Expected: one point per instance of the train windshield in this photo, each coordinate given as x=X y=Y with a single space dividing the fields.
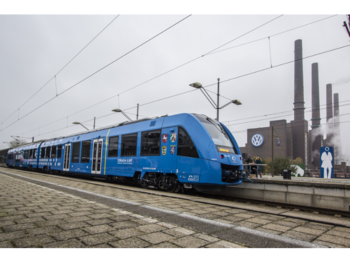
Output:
x=218 y=134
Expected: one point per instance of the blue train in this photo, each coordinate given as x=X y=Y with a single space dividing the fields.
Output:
x=168 y=153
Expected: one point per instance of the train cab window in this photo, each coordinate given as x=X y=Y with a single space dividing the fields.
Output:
x=30 y=154
x=85 y=151
x=59 y=151
x=42 y=153
x=185 y=145
x=113 y=146
x=47 y=155
x=129 y=144
x=53 y=151
x=26 y=154
x=75 y=152
x=35 y=153
x=150 y=143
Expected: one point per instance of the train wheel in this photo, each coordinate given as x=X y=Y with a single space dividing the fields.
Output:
x=144 y=181
x=169 y=183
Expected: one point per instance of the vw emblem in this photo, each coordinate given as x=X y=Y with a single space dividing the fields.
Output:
x=257 y=140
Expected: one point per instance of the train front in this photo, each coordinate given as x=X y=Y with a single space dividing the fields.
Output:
x=224 y=159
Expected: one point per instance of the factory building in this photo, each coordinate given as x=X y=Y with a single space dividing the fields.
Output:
x=297 y=138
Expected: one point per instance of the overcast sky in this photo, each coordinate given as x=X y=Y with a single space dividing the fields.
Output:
x=34 y=48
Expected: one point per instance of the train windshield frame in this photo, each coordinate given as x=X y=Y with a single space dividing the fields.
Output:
x=218 y=134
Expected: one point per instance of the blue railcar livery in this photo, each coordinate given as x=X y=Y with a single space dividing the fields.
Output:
x=168 y=153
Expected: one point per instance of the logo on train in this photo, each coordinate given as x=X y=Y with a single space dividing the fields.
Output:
x=172 y=149
x=165 y=138
x=164 y=150
x=172 y=137
x=257 y=140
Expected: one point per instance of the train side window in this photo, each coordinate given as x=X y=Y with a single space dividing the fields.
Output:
x=75 y=152
x=185 y=145
x=47 y=155
x=26 y=153
x=85 y=151
x=150 y=143
x=35 y=153
x=129 y=144
x=53 y=151
x=42 y=153
x=113 y=146
x=59 y=151
x=30 y=154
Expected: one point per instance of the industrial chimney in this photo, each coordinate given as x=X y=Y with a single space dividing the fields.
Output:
x=316 y=138
x=299 y=125
x=298 y=81
x=336 y=131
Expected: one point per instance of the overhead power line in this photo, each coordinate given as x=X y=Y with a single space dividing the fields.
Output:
x=264 y=115
x=63 y=67
x=99 y=70
x=244 y=75
x=200 y=57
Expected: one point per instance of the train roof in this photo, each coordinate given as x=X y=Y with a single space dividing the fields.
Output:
x=55 y=140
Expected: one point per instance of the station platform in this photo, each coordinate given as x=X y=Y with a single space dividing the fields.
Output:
x=41 y=210
x=304 y=191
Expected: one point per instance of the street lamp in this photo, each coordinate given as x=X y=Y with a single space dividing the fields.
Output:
x=126 y=116
x=216 y=106
x=76 y=122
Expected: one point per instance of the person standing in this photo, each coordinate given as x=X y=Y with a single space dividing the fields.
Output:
x=248 y=161
x=258 y=161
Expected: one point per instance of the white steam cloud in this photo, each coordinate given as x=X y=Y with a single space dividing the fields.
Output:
x=332 y=128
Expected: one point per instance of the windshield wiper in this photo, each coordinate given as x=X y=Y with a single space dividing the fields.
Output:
x=221 y=128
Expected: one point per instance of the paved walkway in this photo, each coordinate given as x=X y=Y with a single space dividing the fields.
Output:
x=35 y=216
x=31 y=212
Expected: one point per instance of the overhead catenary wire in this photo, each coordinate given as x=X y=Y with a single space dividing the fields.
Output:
x=264 y=115
x=55 y=76
x=244 y=75
x=211 y=52
x=102 y=68
x=215 y=83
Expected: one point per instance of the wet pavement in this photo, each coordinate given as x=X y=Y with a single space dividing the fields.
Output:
x=38 y=210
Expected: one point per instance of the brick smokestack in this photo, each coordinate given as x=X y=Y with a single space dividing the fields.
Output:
x=299 y=124
x=329 y=115
x=316 y=120
x=298 y=82
x=329 y=102
x=336 y=132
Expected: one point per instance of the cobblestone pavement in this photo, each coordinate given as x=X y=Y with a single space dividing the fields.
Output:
x=31 y=215
x=35 y=216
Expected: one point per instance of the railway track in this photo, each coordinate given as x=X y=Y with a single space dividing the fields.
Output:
x=204 y=198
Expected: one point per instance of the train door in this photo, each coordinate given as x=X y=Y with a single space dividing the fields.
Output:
x=21 y=158
x=96 y=156
x=66 y=159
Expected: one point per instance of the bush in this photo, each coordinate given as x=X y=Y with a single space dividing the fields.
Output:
x=280 y=164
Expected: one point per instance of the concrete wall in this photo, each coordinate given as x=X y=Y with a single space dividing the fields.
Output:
x=322 y=195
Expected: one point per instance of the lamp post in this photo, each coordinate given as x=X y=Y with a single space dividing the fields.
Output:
x=122 y=112
x=76 y=122
x=216 y=106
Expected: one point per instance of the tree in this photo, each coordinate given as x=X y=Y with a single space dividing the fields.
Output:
x=15 y=143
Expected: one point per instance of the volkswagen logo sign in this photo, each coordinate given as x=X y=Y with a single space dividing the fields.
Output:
x=257 y=140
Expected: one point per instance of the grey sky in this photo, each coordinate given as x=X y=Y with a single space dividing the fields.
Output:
x=34 y=48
